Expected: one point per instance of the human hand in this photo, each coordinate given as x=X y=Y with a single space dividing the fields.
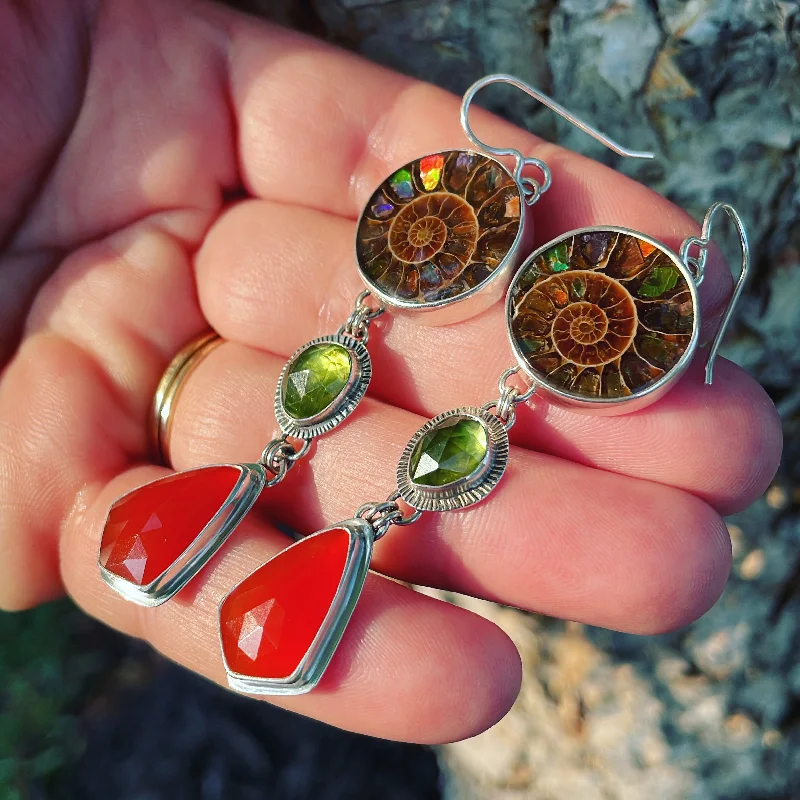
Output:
x=169 y=165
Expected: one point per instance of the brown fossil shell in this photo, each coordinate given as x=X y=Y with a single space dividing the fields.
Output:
x=438 y=227
x=601 y=314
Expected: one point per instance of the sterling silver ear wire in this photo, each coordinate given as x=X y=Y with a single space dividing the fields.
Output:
x=698 y=265
x=442 y=234
x=533 y=189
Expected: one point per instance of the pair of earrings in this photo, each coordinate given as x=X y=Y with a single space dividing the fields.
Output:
x=602 y=319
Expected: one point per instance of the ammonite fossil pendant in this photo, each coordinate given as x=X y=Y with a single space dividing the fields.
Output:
x=603 y=319
x=440 y=231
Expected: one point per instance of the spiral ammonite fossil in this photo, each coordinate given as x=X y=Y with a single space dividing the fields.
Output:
x=601 y=314
x=438 y=227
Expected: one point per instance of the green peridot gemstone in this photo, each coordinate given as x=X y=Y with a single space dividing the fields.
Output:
x=315 y=379
x=453 y=450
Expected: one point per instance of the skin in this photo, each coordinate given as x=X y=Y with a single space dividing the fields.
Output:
x=170 y=165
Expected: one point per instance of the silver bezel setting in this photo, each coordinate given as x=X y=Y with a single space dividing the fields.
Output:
x=607 y=406
x=474 y=300
x=464 y=492
x=244 y=493
x=319 y=654
x=345 y=402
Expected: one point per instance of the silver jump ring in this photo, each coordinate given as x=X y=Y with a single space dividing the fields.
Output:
x=280 y=455
x=411 y=518
x=502 y=385
x=293 y=453
x=372 y=313
x=381 y=516
x=279 y=473
x=506 y=405
x=380 y=520
x=357 y=324
x=273 y=455
x=493 y=407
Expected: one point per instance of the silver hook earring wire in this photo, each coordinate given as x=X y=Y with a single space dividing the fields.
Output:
x=531 y=188
x=698 y=267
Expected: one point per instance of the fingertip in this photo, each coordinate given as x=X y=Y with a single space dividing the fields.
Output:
x=459 y=675
x=679 y=586
x=498 y=665
x=751 y=448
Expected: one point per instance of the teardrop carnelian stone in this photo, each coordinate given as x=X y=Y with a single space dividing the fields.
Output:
x=269 y=621
x=149 y=528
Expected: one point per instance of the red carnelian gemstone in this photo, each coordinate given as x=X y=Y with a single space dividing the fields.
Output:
x=269 y=621
x=148 y=529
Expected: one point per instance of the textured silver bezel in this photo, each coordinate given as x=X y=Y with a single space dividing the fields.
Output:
x=244 y=493
x=475 y=300
x=319 y=654
x=345 y=402
x=607 y=406
x=461 y=493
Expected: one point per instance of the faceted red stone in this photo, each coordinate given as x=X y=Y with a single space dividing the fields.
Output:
x=269 y=621
x=148 y=529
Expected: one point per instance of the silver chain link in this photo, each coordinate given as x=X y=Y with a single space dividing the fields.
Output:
x=532 y=190
x=280 y=455
x=696 y=264
x=505 y=407
x=358 y=322
x=381 y=516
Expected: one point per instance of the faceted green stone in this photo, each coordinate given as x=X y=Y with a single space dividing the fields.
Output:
x=451 y=451
x=315 y=379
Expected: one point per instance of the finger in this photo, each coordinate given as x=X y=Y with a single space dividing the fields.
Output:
x=402 y=671
x=554 y=537
x=722 y=442
x=377 y=120
x=74 y=400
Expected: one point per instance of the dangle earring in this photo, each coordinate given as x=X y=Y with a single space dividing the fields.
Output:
x=440 y=236
x=159 y=536
x=577 y=298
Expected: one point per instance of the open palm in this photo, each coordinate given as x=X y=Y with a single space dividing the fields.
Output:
x=169 y=165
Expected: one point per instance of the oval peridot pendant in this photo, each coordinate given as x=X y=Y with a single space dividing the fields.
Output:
x=315 y=379
x=321 y=385
x=454 y=451
x=453 y=460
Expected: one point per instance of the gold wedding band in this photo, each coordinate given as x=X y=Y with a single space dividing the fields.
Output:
x=169 y=389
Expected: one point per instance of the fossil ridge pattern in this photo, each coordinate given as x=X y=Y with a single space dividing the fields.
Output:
x=438 y=227
x=602 y=314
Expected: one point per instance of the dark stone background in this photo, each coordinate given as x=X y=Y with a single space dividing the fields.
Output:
x=710 y=712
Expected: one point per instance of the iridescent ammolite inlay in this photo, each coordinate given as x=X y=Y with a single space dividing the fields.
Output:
x=601 y=314
x=438 y=227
